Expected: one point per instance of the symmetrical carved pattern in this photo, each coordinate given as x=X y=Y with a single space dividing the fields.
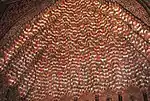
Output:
x=77 y=46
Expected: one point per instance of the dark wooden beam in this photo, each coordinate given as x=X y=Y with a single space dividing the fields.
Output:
x=119 y=97
x=96 y=97
x=145 y=97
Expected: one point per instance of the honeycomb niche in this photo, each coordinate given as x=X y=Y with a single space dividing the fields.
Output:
x=77 y=50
